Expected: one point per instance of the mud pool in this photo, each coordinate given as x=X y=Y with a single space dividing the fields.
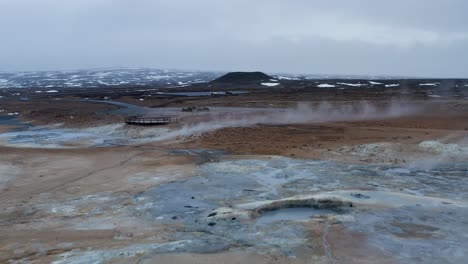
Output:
x=11 y=120
x=273 y=204
x=292 y=214
x=57 y=137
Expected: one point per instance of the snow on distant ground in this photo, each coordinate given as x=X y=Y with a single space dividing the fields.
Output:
x=392 y=85
x=73 y=84
x=273 y=80
x=287 y=78
x=159 y=77
x=270 y=84
x=104 y=83
x=429 y=84
x=374 y=83
x=104 y=77
x=326 y=85
x=351 y=84
x=434 y=95
x=52 y=91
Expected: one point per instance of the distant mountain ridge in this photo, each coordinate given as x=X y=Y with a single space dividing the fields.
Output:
x=162 y=78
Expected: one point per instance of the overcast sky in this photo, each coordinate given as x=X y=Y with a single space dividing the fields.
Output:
x=371 y=37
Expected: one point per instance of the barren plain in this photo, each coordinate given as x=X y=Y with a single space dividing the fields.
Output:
x=268 y=176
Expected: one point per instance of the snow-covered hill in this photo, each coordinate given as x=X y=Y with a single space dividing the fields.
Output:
x=102 y=78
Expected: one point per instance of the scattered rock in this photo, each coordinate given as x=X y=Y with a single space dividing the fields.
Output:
x=359 y=196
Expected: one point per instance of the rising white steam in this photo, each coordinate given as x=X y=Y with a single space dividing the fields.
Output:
x=303 y=113
x=203 y=122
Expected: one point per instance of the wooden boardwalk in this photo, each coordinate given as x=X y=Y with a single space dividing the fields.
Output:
x=147 y=121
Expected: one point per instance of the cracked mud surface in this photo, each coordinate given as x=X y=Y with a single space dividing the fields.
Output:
x=395 y=214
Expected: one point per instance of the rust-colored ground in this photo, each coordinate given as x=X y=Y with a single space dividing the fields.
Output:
x=68 y=173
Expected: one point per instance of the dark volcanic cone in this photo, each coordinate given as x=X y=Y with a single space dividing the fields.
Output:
x=243 y=77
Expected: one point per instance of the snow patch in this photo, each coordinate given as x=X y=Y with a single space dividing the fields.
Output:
x=287 y=78
x=73 y=84
x=429 y=84
x=326 y=85
x=159 y=77
x=351 y=84
x=270 y=84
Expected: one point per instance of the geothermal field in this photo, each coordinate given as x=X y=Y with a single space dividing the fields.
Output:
x=251 y=168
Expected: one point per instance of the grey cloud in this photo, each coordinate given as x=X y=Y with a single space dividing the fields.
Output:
x=403 y=37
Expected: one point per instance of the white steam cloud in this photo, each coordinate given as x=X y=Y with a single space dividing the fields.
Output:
x=119 y=134
x=303 y=113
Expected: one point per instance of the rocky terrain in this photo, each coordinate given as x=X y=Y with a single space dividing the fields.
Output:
x=354 y=171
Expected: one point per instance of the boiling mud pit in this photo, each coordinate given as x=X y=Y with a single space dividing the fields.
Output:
x=309 y=211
